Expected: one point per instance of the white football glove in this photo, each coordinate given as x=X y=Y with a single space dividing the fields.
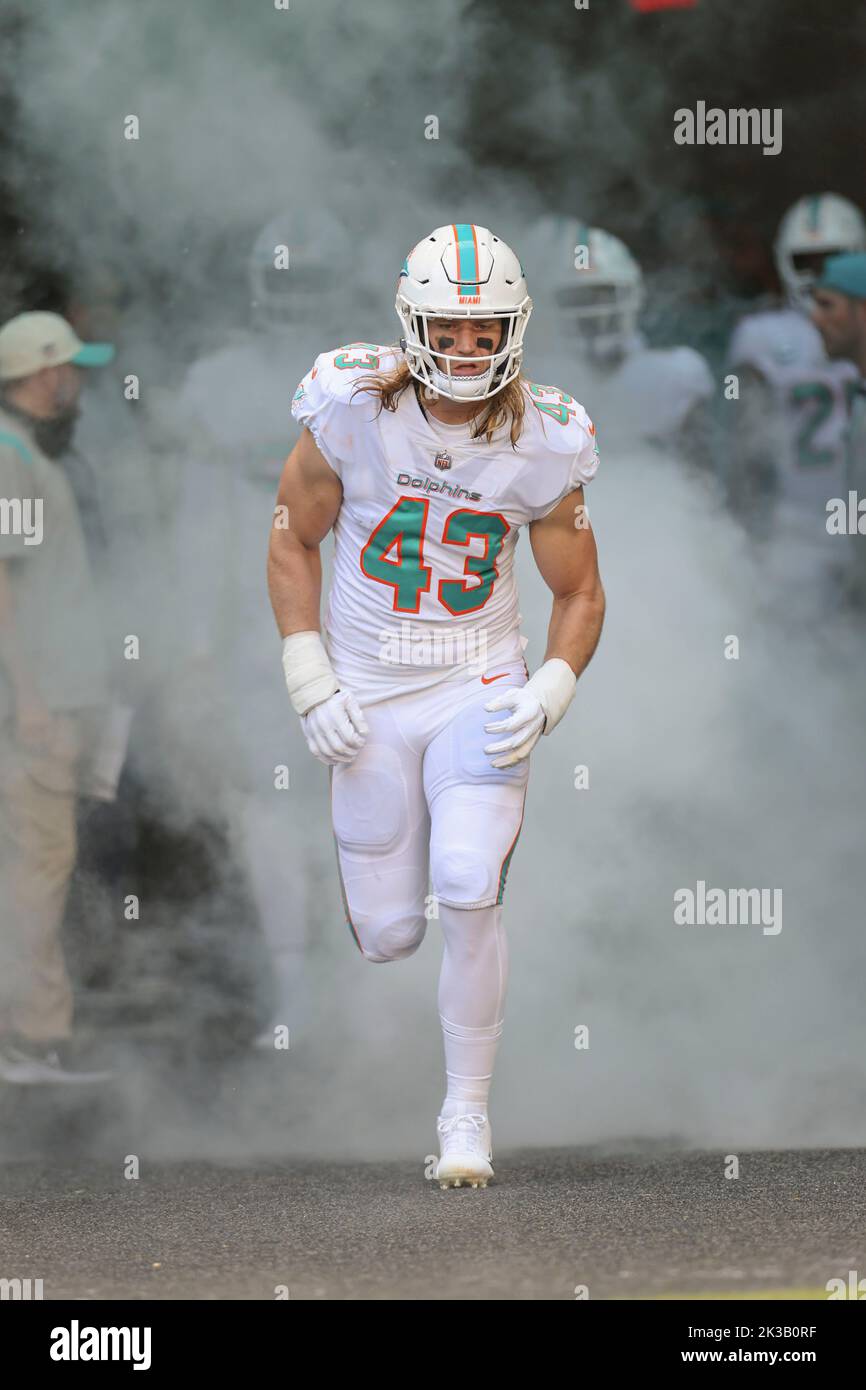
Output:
x=331 y=718
x=335 y=730
x=524 y=726
x=538 y=707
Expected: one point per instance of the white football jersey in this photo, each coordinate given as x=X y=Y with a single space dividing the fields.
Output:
x=235 y=408
x=235 y=416
x=811 y=395
x=648 y=395
x=659 y=387
x=239 y=400
x=423 y=585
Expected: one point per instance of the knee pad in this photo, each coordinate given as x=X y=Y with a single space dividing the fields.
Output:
x=463 y=878
x=391 y=938
x=385 y=907
x=389 y=933
x=475 y=830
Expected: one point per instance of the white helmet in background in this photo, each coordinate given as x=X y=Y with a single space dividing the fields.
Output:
x=816 y=227
x=462 y=271
x=295 y=267
x=596 y=284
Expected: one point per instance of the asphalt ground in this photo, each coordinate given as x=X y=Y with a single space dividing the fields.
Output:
x=555 y=1224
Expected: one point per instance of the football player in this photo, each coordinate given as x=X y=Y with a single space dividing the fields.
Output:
x=787 y=449
x=426 y=459
x=660 y=395
x=234 y=409
x=839 y=314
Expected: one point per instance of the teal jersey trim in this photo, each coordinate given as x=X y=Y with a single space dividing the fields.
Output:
x=6 y=438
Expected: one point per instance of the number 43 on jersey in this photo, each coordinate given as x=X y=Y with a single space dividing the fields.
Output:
x=394 y=555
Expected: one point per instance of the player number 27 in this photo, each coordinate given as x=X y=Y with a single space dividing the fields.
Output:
x=394 y=555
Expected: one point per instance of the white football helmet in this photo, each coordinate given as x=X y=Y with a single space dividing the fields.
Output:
x=316 y=248
x=816 y=227
x=462 y=271
x=597 y=285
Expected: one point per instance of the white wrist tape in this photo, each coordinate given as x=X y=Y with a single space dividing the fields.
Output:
x=554 y=684
x=309 y=675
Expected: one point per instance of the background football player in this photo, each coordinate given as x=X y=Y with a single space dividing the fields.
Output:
x=426 y=460
x=839 y=314
x=595 y=295
x=235 y=405
x=786 y=450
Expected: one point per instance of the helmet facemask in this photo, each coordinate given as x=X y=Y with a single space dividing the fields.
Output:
x=817 y=226
x=434 y=369
x=294 y=270
x=800 y=270
x=283 y=298
x=603 y=316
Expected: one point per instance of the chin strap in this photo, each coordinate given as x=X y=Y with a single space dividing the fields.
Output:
x=416 y=383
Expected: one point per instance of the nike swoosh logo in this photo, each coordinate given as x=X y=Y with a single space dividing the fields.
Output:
x=485 y=680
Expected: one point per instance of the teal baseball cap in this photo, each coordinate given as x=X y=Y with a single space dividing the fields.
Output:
x=845 y=273
x=32 y=341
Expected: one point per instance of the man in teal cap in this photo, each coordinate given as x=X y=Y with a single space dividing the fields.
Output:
x=839 y=309
x=39 y=381
x=839 y=313
x=53 y=688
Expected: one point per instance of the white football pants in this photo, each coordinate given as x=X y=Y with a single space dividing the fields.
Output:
x=421 y=808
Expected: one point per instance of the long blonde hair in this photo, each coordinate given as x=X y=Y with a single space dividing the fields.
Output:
x=507 y=404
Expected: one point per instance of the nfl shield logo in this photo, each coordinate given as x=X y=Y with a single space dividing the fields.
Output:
x=442 y=460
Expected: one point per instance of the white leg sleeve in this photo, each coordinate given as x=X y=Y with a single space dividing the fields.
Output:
x=472 y=989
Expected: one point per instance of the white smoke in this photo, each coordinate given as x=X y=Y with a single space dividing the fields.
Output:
x=742 y=773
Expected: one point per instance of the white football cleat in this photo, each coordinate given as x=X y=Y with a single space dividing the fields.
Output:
x=466 y=1146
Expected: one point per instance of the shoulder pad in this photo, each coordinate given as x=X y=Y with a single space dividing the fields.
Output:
x=689 y=368
x=337 y=371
